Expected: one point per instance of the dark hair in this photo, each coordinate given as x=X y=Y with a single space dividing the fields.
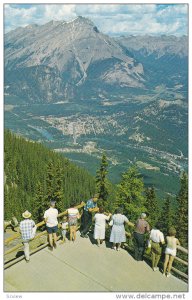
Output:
x=119 y=210
x=73 y=203
x=101 y=209
x=158 y=225
x=172 y=231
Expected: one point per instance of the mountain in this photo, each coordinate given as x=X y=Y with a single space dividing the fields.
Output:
x=50 y=62
x=164 y=58
x=83 y=93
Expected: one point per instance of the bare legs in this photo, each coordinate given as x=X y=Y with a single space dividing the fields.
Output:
x=116 y=246
x=72 y=233
x=52 y=239
x=155 y=260
x=168 y=264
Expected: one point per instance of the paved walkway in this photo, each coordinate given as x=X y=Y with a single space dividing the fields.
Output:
x=84 y=267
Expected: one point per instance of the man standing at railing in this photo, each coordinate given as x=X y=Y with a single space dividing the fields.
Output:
x=26 y=228
x=89 y=208
x=141 y=227
x=51 y=221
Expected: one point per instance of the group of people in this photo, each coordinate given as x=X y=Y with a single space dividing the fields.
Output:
x=117 y=222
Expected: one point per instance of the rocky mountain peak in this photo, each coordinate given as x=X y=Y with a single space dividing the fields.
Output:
x=63 y=56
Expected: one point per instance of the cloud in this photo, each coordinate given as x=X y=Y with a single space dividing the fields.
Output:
x=115 y=19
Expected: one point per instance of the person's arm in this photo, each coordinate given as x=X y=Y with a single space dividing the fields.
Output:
x=131 y=224
x=93 y=209
x=45 y=217
x=177 y=242
x=128 y=222
x=162 y=240
x=107 y=217
x=147 y=228
x=78 y=214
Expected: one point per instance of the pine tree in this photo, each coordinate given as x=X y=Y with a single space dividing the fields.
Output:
x=182 y=212
x=40 y=203
x=130 y=193
x=27 y=164
x=50 y=181
x=101 y=180
x=151 y=205
x=166 y=216
x=55 y=184
x=58 y=195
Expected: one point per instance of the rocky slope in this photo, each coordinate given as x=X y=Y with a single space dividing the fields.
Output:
x=51 y=61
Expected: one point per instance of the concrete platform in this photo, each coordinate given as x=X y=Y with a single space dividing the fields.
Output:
x=84 y=267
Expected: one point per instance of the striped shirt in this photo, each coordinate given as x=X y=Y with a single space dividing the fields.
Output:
x=26 y=227
x=73 y=213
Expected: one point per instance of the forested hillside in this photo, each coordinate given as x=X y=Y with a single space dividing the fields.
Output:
x=34 y=174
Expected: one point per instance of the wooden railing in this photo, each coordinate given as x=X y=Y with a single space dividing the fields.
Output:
x=7 y=241
x=181 y=261
x=39 y=235
x=177 y=258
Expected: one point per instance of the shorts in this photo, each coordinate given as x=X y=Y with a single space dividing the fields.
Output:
x=156 y=248
x=52 y=229
x=170 y=251
x=72 y=222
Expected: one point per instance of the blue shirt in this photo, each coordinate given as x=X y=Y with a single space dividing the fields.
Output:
x=90 y=204
x=26 y=227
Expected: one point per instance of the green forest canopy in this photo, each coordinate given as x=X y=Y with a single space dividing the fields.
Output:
x=33 y=175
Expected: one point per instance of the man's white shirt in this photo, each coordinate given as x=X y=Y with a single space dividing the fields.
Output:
x=51 y=215
x=156 y=236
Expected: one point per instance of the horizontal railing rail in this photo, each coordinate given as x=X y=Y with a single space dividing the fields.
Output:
x=37 y=236
x=177 y=258
x=12 y=261
x=181 y=261
x=15 y=236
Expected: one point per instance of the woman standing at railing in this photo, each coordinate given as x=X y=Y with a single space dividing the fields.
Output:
x=73 y=216
x=100 y=219
x=170 y=251
x=118 y=230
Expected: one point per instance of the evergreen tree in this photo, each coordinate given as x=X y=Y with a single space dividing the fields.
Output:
x=101 y=180
x=35 y=174
x=40 y=204
x=50 y=181
x=182 y=212
x=130 y=193
x=166 y=216
x=58 y=195
x=55 y=184
x=151 y=206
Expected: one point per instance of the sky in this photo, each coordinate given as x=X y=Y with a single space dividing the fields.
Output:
x=111 y=19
